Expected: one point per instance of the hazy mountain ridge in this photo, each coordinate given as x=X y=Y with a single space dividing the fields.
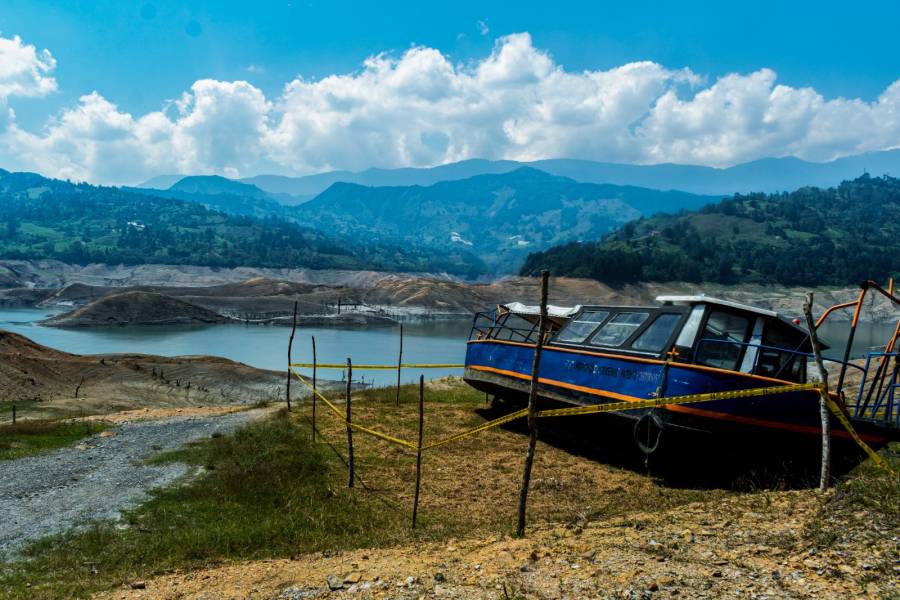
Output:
x=764 y=175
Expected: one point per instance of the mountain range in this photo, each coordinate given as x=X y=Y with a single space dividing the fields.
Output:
x=500 y=218
x=447 y=220
x=812 y=236
x=42 y=218
x=765 y=175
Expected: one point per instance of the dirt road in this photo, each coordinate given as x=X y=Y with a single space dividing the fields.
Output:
x=49 y=493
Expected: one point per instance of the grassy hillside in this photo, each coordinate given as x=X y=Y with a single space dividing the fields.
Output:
x=499 y=218
x=43 y=218
x=808 y=237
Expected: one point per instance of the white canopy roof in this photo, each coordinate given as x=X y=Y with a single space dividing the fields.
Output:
x=557 y=312
x=719 y=301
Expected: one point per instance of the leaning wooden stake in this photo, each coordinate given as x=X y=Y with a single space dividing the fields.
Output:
x=350 y=476
x=314 y=390
x=14 y=414
x=532 y=407
x=825 y=473
x=419 y=450
x=399 y=364
x=290 y=346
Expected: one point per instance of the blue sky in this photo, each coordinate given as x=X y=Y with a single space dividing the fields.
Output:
x=139 y=55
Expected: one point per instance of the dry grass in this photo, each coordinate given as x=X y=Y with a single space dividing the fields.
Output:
x=473 y=484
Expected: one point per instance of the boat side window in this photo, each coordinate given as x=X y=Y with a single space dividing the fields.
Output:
x=720 y=344
x=657 y=333
x=774 y=362
x=578 y=329
x=619 y=328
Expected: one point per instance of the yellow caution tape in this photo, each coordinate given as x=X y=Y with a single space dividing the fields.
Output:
x=375 y=367
x=690 y=399
x=483 y=427
x=834 y=408
x=611 y=407
x=356 y=426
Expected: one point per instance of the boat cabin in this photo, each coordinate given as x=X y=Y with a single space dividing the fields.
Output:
x=693 y=329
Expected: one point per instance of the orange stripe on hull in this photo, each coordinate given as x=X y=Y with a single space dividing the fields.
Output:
x=710 y=414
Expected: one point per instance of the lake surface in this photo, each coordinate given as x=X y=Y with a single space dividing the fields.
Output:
x=266 y=346
x=263 y=346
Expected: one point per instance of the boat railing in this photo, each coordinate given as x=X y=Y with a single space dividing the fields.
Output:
x=876 y=397
x=796 y=353
x=493 y=326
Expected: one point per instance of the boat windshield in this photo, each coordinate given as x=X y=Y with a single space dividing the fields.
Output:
x=577 y=330
x=657 y=333
x=619 y=328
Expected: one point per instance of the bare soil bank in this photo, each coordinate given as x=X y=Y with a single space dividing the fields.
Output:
x=268 y=294
x=46 y=383
x=136 y=308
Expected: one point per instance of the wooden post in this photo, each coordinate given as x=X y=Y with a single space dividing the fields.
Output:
x=419 y=451
x=399 y=363
x=825 y=472
x=532 y=407
x=350 y=476
x=14 y=414
x=290 y=346
x=78 y=387
x=314 y=390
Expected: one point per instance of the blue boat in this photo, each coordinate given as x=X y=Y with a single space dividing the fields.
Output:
x=683 y=345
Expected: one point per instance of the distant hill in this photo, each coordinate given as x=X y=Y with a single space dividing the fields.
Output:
x=259 y=206
x=812 y=236
x=765 y=175
x=499 y=218
x=43 y=218
x=214 y=184
x=160 y=182
x=310 y=185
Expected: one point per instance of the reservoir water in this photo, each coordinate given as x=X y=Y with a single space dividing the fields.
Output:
x=266 y=346
x=263 y=346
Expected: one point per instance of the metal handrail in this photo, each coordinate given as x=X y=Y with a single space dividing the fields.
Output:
x=808 y=355
x=885 y=396
x=497 y=325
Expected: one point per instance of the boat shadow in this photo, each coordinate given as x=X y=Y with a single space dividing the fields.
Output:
x=692 y=465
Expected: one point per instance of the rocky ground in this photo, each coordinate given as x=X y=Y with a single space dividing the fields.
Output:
x=96 y=479
x=751 y=546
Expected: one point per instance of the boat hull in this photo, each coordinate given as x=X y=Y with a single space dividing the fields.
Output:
x=578 y=377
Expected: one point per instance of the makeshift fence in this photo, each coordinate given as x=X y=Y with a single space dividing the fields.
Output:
x=419 y=446
x=532 y=413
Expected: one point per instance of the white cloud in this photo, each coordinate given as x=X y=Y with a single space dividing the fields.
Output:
x=482 y=26
x=23 y=70
x=421 y=109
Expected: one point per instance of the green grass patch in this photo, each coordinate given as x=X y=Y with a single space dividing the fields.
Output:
x=32 y=437
x=266 y=491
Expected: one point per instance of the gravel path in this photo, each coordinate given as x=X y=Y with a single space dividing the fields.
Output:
x=98 y=478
